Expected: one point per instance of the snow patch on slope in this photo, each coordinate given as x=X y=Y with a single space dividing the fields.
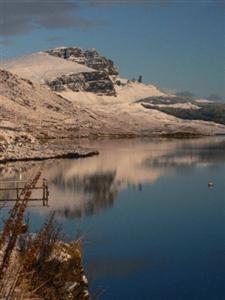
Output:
x=39 y=67
x=203 y=101
x=187 y=105
x=129 y=93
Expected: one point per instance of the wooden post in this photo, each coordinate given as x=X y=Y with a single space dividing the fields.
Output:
x=43 y=185
x=45 y=192
x=17 y=190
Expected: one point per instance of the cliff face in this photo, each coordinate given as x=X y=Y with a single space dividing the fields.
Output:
x=94 y=82
x=90 y=58
x=98 y=81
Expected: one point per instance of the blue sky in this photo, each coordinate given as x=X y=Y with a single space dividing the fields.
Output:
x=177 y=45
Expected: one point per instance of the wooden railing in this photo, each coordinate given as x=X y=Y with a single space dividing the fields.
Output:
x=18 y=186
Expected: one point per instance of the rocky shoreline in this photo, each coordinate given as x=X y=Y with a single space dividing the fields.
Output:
x=44 y=154
x=21 y=146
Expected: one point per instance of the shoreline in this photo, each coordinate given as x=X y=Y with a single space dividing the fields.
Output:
x=45 y=154
x=53 y=149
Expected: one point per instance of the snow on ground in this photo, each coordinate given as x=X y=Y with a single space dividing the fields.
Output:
x=97 y=114
x=134 y=91
x=129 y=93
x=123 y=114
x=203 y=101
x=41 y=66
x=187 y=105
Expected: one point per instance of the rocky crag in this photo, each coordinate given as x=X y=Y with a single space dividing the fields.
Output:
x=90 y=58
x=94 y=82
x=98 y=81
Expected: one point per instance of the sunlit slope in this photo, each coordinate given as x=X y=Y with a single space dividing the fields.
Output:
x=40 y=66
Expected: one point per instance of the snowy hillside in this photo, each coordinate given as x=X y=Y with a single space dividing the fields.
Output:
x=40 y=67
x=75 y=100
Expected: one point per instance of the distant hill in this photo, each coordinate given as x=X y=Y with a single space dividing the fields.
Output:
x=187 y=108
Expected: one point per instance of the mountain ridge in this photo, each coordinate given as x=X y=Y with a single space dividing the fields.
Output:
x=32 y=110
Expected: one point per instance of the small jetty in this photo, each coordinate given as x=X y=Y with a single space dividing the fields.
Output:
x=10 y=191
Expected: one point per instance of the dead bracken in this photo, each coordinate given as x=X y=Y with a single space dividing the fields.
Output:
x=38 y=266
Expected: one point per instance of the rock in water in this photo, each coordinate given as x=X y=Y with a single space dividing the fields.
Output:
x=210 y=184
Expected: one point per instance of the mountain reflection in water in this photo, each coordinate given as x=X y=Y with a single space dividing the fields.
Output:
x=152 y=227
x=97 y=191
x=83 y=187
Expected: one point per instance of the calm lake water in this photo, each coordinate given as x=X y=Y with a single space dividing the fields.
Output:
x=152 y=227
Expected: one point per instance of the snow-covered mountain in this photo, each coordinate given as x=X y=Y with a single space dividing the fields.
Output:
x=62 y=71
x=73 y=92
